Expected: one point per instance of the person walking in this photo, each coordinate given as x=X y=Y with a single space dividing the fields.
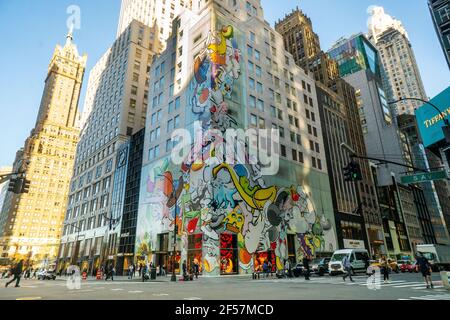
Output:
x=306 y=267
x=17 y=272
x=130 y=272
x=287 y=268
x=143 y=272
x=196 y=269
x=110 y=273
x=385 y=269
x=346 y=264
x=425 y=268
x=266 y=269
x=270 y=267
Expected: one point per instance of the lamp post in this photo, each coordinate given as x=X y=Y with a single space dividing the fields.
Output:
x=446 y=128
x=175 y=232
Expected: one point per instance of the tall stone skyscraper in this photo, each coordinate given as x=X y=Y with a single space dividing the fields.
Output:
x=33 y=225
x=397 y=57
x=158 y=13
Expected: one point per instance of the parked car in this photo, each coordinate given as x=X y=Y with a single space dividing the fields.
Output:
x=298 y=270
x=357 y=259
x=394 y=265
x=404 y=265
x=320 y=266
x=46 y=275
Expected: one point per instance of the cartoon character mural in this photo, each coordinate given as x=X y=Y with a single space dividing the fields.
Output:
x=227 y=204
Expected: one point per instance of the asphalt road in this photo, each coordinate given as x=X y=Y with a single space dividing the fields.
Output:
x=402 y=287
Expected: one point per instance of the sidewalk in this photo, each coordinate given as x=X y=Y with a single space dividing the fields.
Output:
x=160 y=279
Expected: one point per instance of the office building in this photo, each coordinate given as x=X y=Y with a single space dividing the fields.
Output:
x=398 y=59
x=33 y=225
x=440 y=13
x=339 y=108
x=116 y=107
x=226 y=68
x=152 y=13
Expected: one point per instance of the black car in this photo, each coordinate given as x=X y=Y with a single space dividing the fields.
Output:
x=298 y=270
x=320 y=266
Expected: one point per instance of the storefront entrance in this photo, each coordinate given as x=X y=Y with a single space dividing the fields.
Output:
x=195 y=244
x=228 y=254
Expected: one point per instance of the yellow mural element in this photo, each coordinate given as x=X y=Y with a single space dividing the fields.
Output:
x=258 y=200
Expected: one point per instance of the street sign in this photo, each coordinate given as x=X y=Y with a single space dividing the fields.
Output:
x=424 y=177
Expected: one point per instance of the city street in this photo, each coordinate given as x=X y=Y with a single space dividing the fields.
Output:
x=402 y=287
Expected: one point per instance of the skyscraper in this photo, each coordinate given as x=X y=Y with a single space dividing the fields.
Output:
x=226 y=68
x=34 y=224
x=116 y=106
x=359 y=65
x=397 y=56
x=403 y=76
x=152 y=13
x=339 y=108
x=440 y=12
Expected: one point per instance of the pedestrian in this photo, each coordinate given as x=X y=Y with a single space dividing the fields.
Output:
x=424 y=267
x=196 y=269
x=385 y=269
x=140 y=270
x=270 y=267
x=110 y=273
x=346 y=264
x=164 y=270
x=266 y=269
x=306 y=267
x=366 y=263
x=17 y=272
x=287 y=269
x=130 y=272
x=34 y=274
x=143 y=272
x=185 y=275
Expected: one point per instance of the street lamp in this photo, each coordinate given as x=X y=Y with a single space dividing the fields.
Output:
x=445 y=128
x=175 y=232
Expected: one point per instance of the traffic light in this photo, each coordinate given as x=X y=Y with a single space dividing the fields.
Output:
x=347 y=174
x=15 y=186
x=356 y=172
x=25 y=186
x=352 y=172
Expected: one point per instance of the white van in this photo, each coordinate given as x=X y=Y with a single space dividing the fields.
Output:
x=358 y=258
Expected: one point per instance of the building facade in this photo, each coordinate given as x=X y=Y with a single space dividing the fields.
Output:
x=339 y=109
x=398 y=59
x=440 y=13
x=116 y=110
x=228 y=70
x=157 y=14
x=126 y=250
x=33 y=228
x=360 y=66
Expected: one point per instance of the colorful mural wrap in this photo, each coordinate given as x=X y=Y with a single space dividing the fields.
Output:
x=241 y=219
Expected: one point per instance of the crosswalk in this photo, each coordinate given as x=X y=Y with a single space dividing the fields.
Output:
x=362 y=281
x=433 y=297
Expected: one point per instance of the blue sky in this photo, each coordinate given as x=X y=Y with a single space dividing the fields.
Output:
x=30 y=29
